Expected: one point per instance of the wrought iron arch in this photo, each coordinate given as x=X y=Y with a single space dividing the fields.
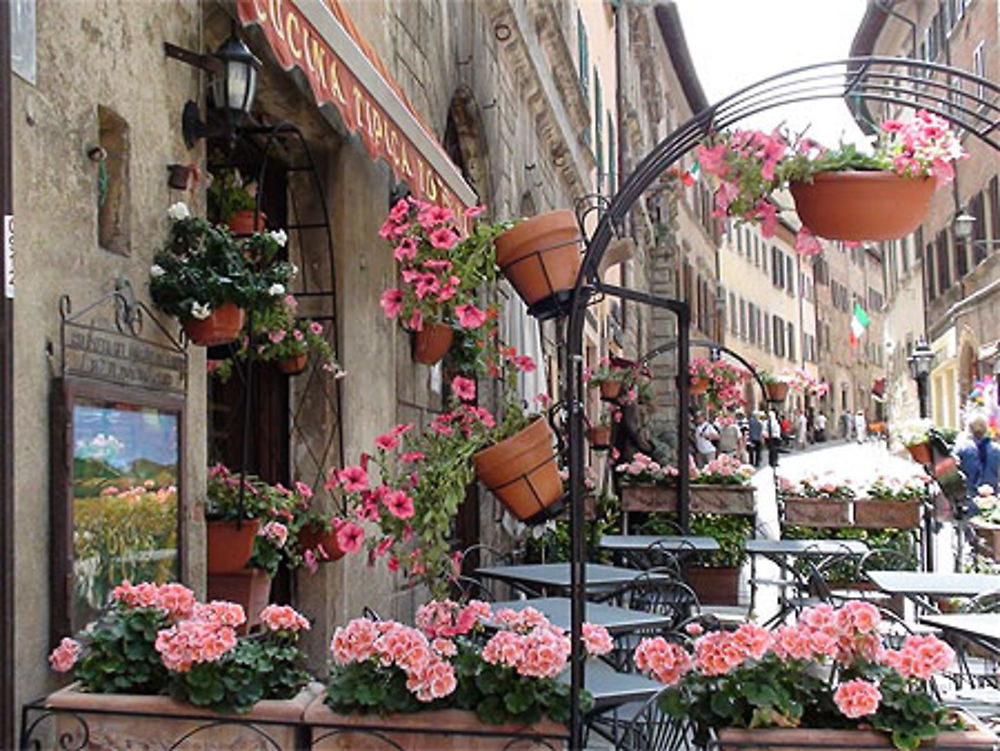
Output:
x=912 y=84
x=710 y=345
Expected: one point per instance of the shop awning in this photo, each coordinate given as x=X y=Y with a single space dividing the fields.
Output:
x=319 y=38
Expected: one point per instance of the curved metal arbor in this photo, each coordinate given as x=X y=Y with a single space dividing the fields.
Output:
x=964 y=100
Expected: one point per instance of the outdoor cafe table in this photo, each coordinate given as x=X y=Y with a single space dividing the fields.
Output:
x=555 y=577
x=923 y=586
x=615 y=619
x=781 y=551
x=672 y=543
x=611 y=688
x=979 y=626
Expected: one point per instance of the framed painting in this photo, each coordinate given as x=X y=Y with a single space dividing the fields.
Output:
x=117 y=512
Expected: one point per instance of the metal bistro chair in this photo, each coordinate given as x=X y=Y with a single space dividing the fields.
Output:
x=977 y=659
x=643 y=726
x=876 y=559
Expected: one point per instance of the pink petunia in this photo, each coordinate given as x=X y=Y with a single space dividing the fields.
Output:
x=406 y=250
x=315 y=328
x=464 y=388
x=391 y=302
x=473 y=211
x=469 y=316
x=400 y=505
x=443 y=238
x=354 y=479
x=387 y=441
x=350 y=537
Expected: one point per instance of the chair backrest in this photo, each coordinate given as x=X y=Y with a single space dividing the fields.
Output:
x=652 y=729
x=883 y=559
x=478 y=556
x=985 y=602
x=650 y=593
x=661 y=557
x=468 y=588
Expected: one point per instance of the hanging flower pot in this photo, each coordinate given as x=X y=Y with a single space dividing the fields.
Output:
x=521 y=471
x=314 y=535
x=541 y=258
x=599 y=436
x=776 y=390
x=611 y=390
x=858 y=206
x=921 y=452
x=221 y=326
x=293 y=366
x=230 y=545
x=698 y=386
x=246 y=222
x=432 y=343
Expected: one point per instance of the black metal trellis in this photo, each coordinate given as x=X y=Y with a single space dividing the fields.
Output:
x=951 y=93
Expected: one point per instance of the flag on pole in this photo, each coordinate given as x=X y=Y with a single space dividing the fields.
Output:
x=690 y=176
x=859 y=322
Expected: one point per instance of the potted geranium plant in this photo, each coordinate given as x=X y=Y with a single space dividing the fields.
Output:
x=234 y=201
x=156 y=660
x=209 y=281
x=721 y=381
x=622 y=381
x=775 y=387
x=890 y=503
x=840 y=194
x=816 y=502
x=915 y=435
x=599 y=435
x=441 y=272
x=721 y=487
x=450 y=676
x=827 y=681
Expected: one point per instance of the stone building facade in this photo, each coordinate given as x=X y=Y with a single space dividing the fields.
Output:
x=951 y=279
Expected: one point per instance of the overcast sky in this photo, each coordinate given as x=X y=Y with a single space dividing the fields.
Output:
x=738 y=42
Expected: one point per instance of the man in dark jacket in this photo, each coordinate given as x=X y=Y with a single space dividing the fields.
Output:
x=980 y=458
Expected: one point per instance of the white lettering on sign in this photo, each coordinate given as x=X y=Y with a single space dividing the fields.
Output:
x=8 y=256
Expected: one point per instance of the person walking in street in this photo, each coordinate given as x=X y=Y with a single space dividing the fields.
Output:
x=820 y=424
x=704 y=435
x=755 y=436
x=979 y=458
x=772 y=438
x=801 y=427
x=730 y=437
x=860 y=427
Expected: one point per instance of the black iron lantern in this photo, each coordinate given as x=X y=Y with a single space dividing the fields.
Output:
x=234 y=83
x=920 y=361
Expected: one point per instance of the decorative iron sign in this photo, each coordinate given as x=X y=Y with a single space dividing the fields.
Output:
x=114 y=351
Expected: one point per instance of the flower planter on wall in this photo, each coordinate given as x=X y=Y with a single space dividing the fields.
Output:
x=250 y=588
x=921 y=452
x=312 y=536
x=813 y=512
x=887 y=514
x=715 y=585
x=432 y=343
x=439 y=730
x=705 y=499
x=120 y=721
x=522 y=471
x=857 y=206
x=230 y=545
x=246 y=222
x=541 y=257
x=221 y=326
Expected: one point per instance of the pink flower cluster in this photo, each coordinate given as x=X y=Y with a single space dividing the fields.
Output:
x=643 y=468
x=920 y=657
x=64 y=657
x=192 y=642
x=276 y=532
x=283 y=618
x=857 y=698
x=725 y=466
x=663 y=660
x=175 y=599
x=447 y=618
x=924 y=145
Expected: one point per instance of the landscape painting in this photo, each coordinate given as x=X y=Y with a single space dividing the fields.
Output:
x=125 y=502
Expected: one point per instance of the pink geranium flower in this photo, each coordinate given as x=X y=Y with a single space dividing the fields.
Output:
x=64 y=657
x=857 y=698
x=406 y=250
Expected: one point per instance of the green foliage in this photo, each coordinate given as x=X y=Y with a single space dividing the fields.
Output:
x=729 y=530
x=368 y=687
x=229 y=193
x=903 y=541
x=555 y=544
x=120 y=657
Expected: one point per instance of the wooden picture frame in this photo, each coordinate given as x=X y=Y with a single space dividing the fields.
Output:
x=131 y=415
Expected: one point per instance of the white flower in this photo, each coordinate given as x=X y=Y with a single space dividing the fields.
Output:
x=179 y=211
x=279 y=237
x=276 y=289
x=156 y=271
x=201 y=312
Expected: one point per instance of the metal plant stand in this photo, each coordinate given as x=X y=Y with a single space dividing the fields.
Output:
x=913 y=84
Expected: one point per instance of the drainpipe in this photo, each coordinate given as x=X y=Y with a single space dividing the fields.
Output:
x=7 y=716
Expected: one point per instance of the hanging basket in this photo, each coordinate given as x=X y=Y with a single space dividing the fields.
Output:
x=432 y=343
x=858 y=206
x=315 y=535
x=230 y=545
x=522 y=472
x=776 y=391
x=222 y=326
x=541 y=258
x=599 y=436
x=293 y=366
x=921 y=452
x=698 y=386
x=246 y=222
x=611 y=390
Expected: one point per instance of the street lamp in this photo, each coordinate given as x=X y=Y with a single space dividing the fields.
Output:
x=920 y=360
x=964 y=224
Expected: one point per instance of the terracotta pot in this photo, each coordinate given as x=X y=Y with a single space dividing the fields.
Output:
x=438 y=730
x=222 y=326
x=133 y=721
x=251 y=588
x=541 y=256
x=888 y=514
x=230 y=546
x=432 y=343
x=611 y=390
x=521 y=471
x=312 y=536
x=698 y=386
x=292 y=366
x=776 y=391
x=921 y=452
x=599 y=436
x=860 y=206
x=715 y=586
x=246 y=222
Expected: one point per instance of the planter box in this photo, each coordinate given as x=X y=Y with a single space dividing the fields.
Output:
x=811 y=512
x=715 y=586
x=888 y=514
x=130 y=721
x=705 y=499
x=989 y=534
x=438 y=730
x=802 y=739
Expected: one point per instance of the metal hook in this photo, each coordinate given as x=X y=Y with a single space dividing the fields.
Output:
x=489 y=106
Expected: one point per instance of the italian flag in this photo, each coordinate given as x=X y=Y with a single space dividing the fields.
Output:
x=859 y=322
